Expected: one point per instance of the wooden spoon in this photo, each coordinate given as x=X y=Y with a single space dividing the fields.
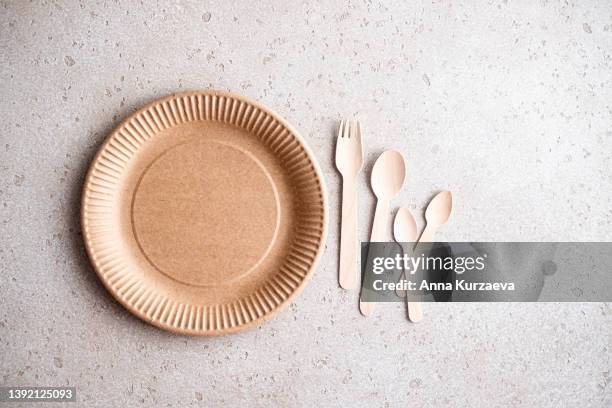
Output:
x=405 y=230
x=388 y=177
x=437 y=213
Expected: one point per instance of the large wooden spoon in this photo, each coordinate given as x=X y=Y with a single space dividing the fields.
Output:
x=388 y=177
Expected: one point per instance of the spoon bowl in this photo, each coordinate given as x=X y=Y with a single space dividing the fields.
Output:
x=388 y=175
x=404 y=226
x=439 y=209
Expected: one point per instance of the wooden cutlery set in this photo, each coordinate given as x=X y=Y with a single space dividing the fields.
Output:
x=387 y=178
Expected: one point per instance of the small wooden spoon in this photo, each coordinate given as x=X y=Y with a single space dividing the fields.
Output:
x=437 y=213
x=405 y=230
x=388 y=177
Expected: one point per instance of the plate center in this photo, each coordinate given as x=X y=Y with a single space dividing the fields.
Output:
x=205 y=213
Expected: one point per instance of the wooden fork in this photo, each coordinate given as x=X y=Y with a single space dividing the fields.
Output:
x=349 y=161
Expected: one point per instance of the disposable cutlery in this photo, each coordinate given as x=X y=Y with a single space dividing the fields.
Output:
x=405 y=230
x=388 y=177
x=437 y=213
x=349 y=161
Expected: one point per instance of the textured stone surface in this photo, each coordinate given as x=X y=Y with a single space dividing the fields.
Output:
x=505 y=103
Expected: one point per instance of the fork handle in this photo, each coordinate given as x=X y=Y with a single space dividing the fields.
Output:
x=348 y=273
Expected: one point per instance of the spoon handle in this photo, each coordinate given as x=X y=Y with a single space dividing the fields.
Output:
x=381 y=219
x=348 y=267
x=415 y=309
x=379 y=232
x=428 y=234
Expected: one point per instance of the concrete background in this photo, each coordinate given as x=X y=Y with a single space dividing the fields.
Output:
x=505 y=103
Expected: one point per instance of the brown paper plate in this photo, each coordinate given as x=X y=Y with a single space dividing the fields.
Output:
x=204 y=213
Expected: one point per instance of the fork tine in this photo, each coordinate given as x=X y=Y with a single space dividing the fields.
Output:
x=358 y=141
x=341 y=130
x=347 y=129
x=358 y=131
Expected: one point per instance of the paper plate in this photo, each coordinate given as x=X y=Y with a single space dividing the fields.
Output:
x=204 y=213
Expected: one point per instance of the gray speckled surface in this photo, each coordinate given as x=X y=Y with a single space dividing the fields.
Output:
x=507 y=104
